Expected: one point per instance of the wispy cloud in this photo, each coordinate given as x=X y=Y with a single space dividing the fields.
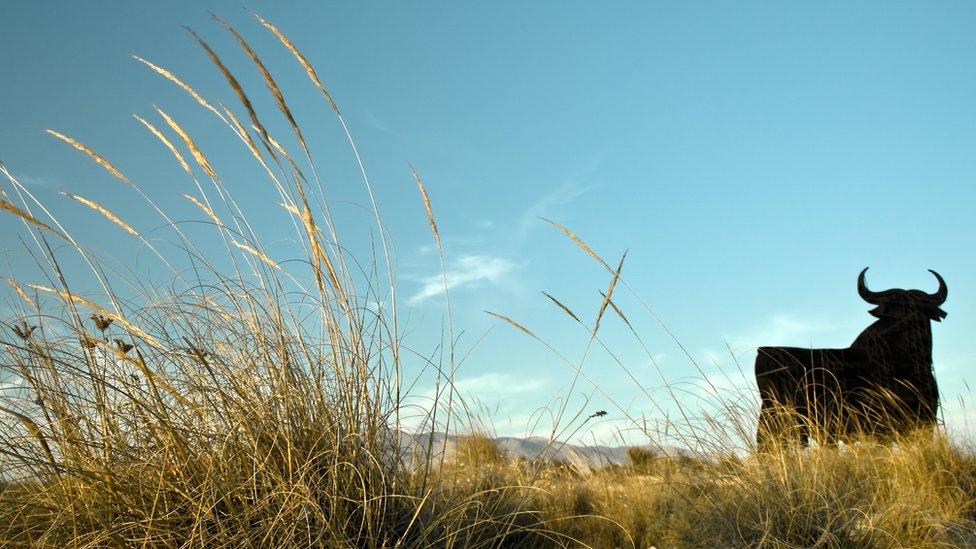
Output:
x=494 y=385
x=468 y=270
x=34 y=181
x=499 y=403
x=783 y=329
x=573 y=186
x=12 y=383
x=374 y=121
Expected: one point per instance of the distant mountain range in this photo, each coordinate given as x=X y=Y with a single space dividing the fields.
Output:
x=414 y=449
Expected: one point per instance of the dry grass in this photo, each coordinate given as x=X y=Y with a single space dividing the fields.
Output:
x=245 y=409
x=260 y=407
x=920 y=493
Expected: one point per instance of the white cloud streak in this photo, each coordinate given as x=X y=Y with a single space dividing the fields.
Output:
x=573 y=186
x=783 y=329
x=375 y=122
x=34 y=181
x=500 y=403
x=494 y=385
x=468 y=270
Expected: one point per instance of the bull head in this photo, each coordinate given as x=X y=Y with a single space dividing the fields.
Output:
x=898 y=303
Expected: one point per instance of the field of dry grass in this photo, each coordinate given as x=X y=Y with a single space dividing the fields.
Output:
x=260 y=407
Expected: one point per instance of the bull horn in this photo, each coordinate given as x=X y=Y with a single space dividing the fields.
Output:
x=942 y=293
x=864 y=292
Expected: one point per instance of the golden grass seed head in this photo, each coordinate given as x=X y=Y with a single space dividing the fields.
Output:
x=88 y=342
x=23 y=331
x=101 y=322
x=124 y=347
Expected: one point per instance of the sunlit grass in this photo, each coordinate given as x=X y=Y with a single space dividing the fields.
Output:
x=260 y=405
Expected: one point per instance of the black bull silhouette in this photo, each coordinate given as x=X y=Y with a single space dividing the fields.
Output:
x=882 y=385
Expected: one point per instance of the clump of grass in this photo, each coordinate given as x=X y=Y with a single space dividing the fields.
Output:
x=919 y=494
x=252 y=408
x=914 y=494
x=231 y=431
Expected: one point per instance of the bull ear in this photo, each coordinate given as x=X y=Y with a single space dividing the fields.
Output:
x=937 y=314
x=942 y=293
x=880 y=311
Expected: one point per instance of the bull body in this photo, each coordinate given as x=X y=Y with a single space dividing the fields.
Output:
x=882 y=385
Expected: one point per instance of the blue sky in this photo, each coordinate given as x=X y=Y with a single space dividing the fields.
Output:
x=752 y=157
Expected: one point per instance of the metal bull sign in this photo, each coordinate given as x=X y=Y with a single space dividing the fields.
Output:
x=882 y=385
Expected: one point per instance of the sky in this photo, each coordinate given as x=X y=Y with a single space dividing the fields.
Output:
x=750 y=158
